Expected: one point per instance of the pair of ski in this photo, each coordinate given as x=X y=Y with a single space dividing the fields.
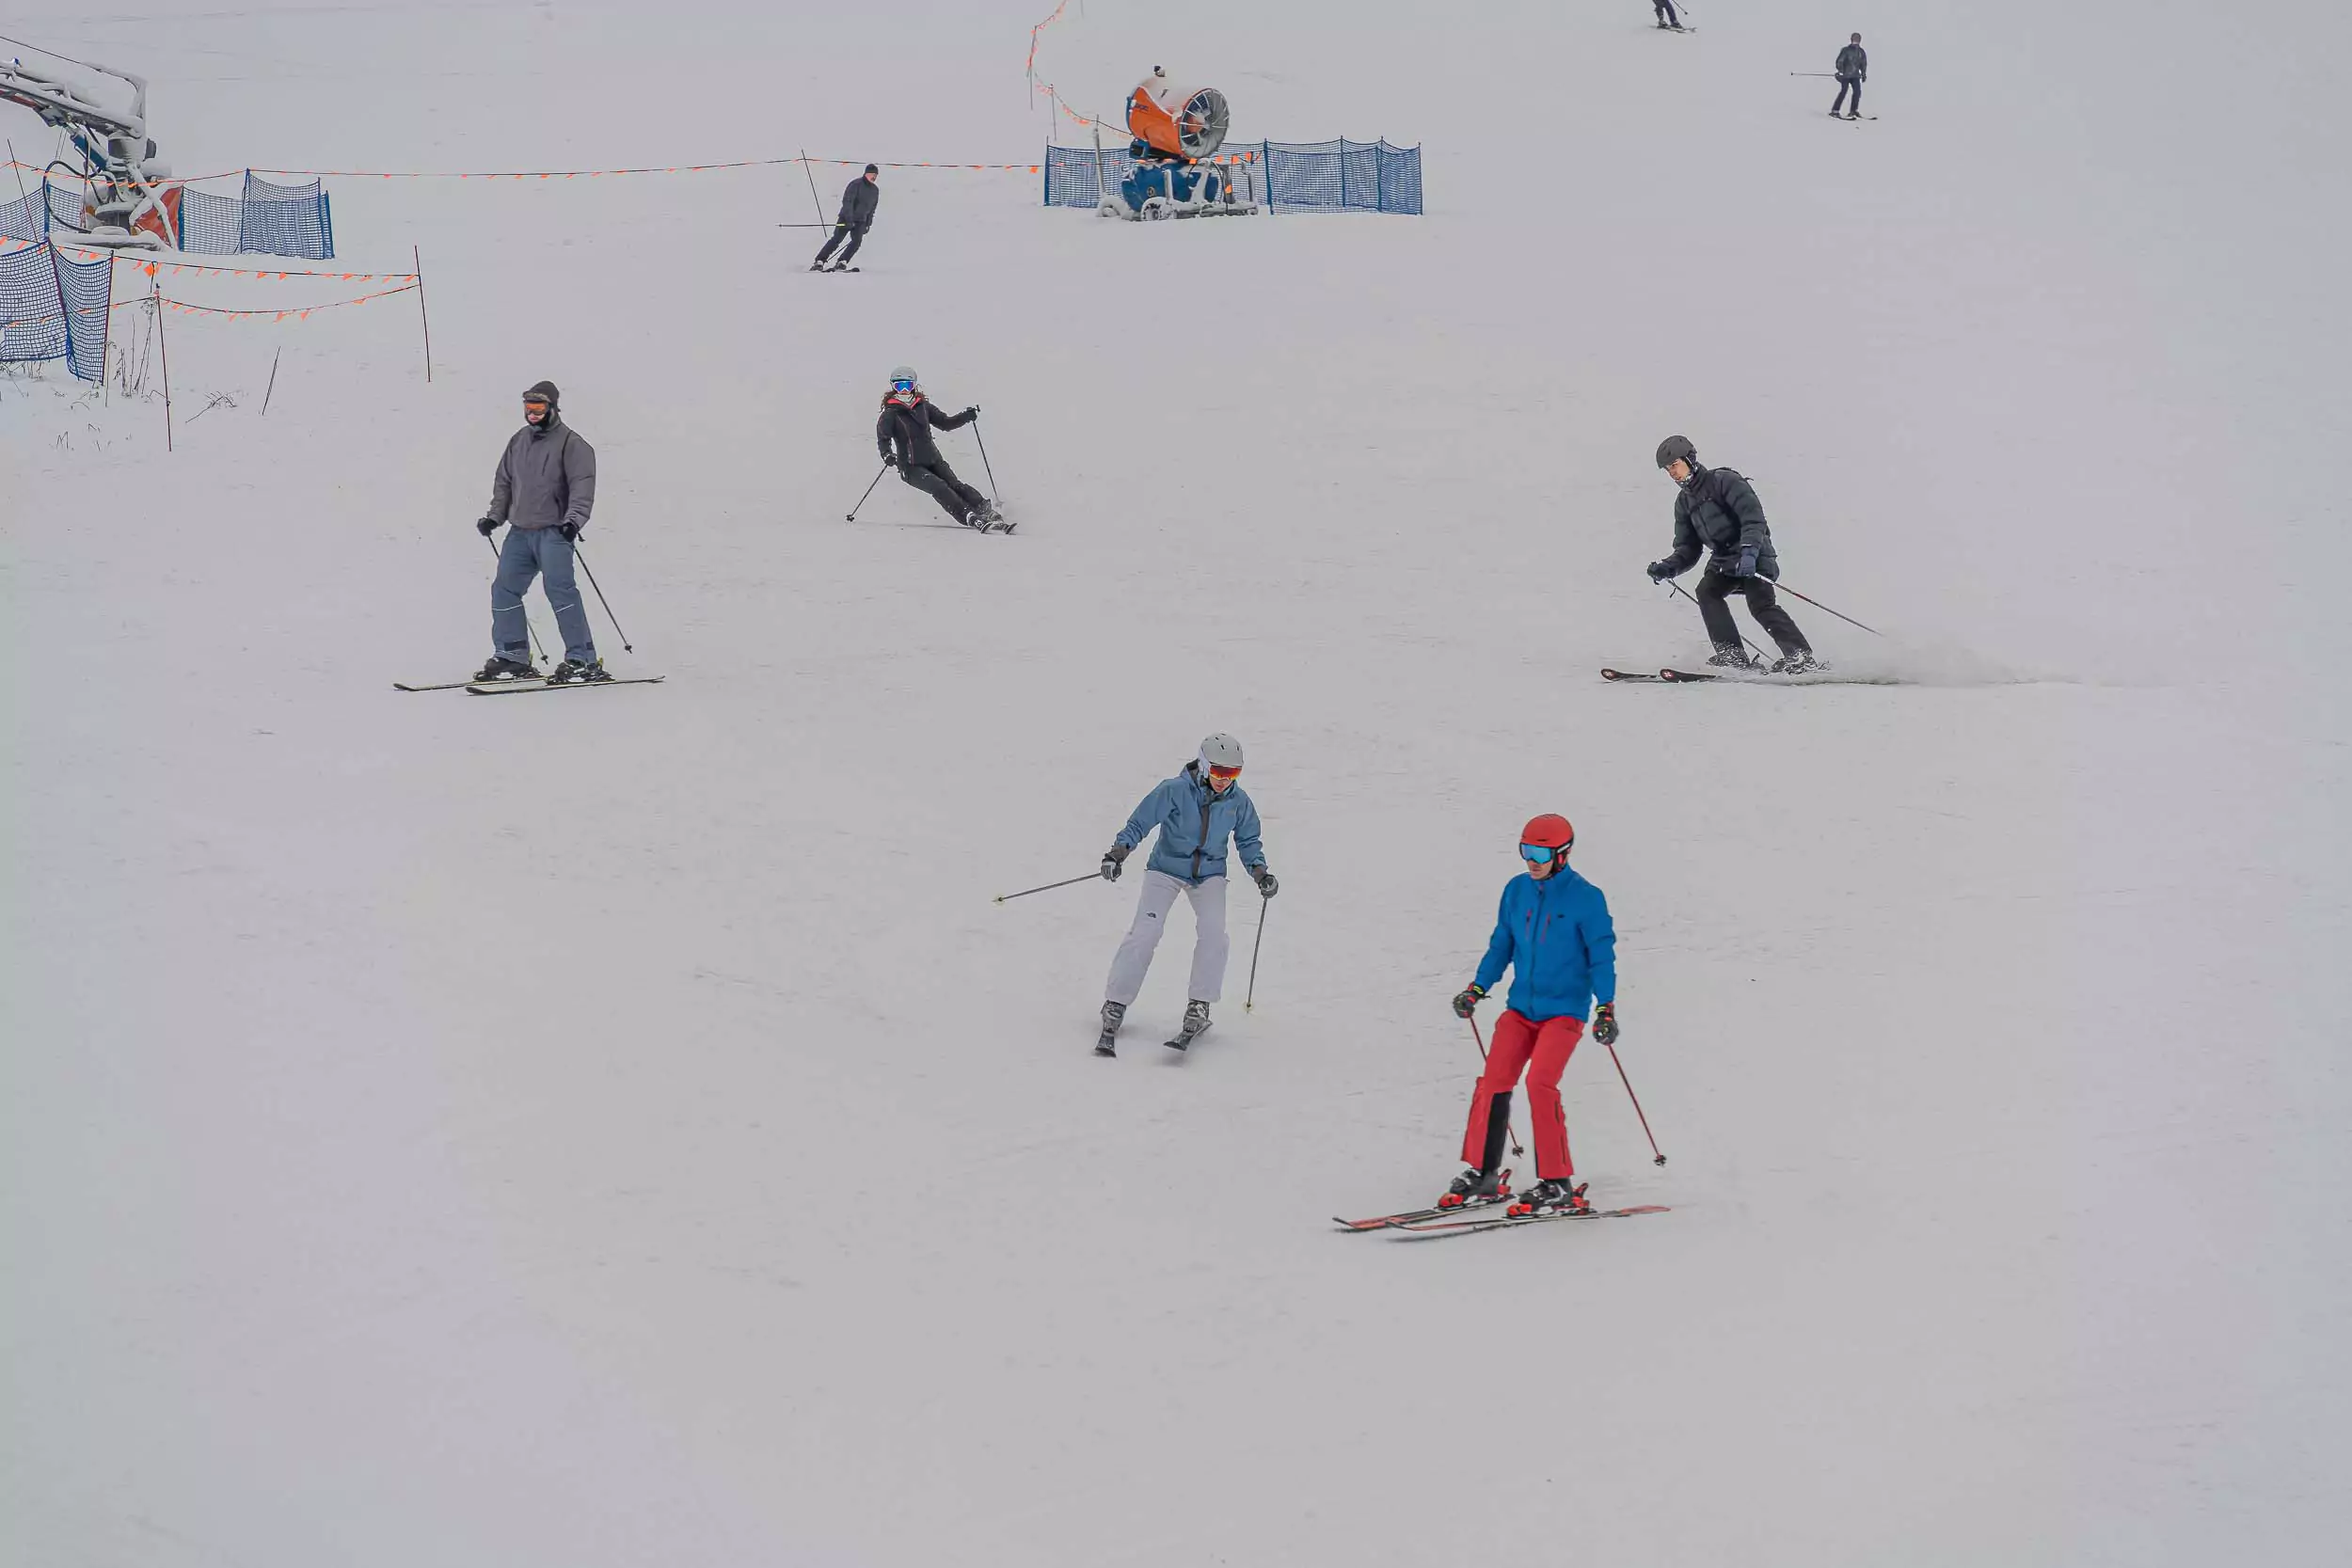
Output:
x=500 y=689
x=1821 y=674
x=1425 y=1224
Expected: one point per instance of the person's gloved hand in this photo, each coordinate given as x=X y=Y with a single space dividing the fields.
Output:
x=1605 y=1023
x=973 y=412
x=1268 y=886
x=890 y=458
x=487 y=527
x=1746 y=566
x=1113 y=859
x=569 y=530
x=1661 y=570
x=1467 y=1002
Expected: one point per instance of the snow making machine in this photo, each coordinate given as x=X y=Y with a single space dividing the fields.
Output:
x=1177 y=130
x=129 y=203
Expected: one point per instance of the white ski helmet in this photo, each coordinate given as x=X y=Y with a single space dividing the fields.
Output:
x=901 y=373
x=1220 y=751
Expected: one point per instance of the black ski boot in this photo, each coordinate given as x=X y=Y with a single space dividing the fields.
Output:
x=1196 y=1026
x=1114 y=1014
x=1796 y=663
x=500 y=668
x=1473 y=1188
x=1732 y=656
x=1551 y=1197
x=573 y=671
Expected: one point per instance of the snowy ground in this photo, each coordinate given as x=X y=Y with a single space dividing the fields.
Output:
x=621 y=1129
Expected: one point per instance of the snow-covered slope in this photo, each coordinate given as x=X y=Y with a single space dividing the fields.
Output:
x=621 y=1129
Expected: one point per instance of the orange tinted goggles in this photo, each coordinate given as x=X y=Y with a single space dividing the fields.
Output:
x=1223 y=775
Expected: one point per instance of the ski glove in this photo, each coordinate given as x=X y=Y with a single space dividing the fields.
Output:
x=487 y=527
x=1112 y=861
x=890 y=458
x=1661 y=570
x=1268 y=886
x=973 y=412
x=1745 y=567
x=1605 y=1023
x=570 y=530
x=1466 y=1003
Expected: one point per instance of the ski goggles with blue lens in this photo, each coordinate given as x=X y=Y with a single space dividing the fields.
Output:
x=1538 y=854
x=902 y=387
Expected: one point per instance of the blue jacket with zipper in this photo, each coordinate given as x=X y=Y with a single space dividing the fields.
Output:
x=1561 y=948
x=1194 y=823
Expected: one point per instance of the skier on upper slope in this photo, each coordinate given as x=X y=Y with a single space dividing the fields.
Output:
x=1666 y=17
x=1854 y=69
x=1717 y=513
x=1195 y=813
x=1554 y=932
x=545 y=487
x=903 y=433
x=858 y=201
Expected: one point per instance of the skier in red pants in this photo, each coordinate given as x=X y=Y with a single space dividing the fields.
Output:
x=1554 y=932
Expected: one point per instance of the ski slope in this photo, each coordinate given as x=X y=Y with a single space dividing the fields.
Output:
x=622 y=1129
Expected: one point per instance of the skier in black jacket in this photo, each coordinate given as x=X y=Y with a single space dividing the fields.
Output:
x=858 y=215
x=1854 y=69
x=1718 y=513
x=904 y=432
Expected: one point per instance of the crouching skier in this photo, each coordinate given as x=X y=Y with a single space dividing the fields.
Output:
x=1554 y=932
x=904 y=432
x=1195 y=813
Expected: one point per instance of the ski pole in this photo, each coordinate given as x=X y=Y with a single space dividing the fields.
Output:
x=869 y=490
x=1252 y=1000
x=1637 y=1104
x=993 y=494
x=1687 y=594
x=1825 y=75
x=1090 y=876
x=527 y=626
x=626 y=645
x=1825 y=609
x=1512 y=1133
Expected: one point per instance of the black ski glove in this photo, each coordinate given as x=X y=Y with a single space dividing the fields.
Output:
x=1115 y=858
x=1268 y=886
x=487 y=527
x=1467 y=1002
x=1661 y=570
x=570 y=530
x=1745 y=565
x=890 y=458
x=973 y=412
x=1605 y=1023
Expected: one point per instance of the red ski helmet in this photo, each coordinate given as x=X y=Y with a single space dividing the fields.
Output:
x=1550 y=830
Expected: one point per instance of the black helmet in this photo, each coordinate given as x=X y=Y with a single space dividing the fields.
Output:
x=1676 y=447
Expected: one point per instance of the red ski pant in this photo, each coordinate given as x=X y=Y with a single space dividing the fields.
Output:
x=1542 y=1051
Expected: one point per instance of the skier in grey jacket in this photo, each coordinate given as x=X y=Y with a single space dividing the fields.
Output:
x=545 y=487
x=1854 y=69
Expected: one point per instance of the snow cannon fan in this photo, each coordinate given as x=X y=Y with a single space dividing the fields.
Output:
x=128 y=202
x=1174 y=128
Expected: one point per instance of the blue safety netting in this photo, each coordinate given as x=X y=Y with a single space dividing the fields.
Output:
x=266 y=219
x=1286 y=177
x=53 y=306
x=25 y=219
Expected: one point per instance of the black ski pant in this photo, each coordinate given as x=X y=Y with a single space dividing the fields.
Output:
x=940 y=482
x=842 y=232
x=1847 y=85
x=1665 y=9
x=1763 y=603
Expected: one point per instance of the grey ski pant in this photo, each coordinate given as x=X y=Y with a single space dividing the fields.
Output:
x=538 y=552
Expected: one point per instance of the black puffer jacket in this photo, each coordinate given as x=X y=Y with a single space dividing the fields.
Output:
x=858 y=204
x=1718 y=513
x=908 y=427
x=1854 y=64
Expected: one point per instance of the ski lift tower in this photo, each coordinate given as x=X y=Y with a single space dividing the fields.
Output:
x=128 y=205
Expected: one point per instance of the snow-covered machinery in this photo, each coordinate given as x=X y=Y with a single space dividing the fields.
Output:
x=1177 y=130
x=128 y=202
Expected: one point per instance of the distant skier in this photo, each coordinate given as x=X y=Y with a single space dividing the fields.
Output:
x=858 y=201
x=1718 y=513
x=1554 y=932
x=903 y=433
x=1666 y=17
x=545 y=487
x=1195 y=813
x=1854 y=69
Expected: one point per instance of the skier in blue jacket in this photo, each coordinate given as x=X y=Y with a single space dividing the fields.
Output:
x=1195 y=813
x=1554 y=933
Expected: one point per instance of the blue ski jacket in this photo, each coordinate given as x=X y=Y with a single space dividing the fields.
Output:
x=1561 y=945
x=1194 y=823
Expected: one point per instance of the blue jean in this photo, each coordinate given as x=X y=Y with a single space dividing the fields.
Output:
x=538 y=552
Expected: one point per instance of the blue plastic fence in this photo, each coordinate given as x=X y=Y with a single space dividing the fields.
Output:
x=53 y=306
x=1291 y=177
x=270 y=220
